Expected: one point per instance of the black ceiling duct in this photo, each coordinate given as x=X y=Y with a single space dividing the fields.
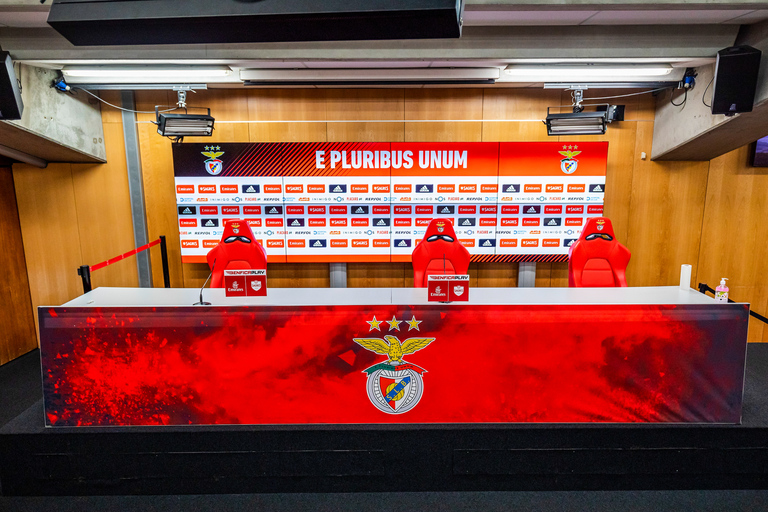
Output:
x=141 y=22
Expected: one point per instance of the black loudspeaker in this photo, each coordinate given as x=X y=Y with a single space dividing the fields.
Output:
x=735 y=80
x=11 y=106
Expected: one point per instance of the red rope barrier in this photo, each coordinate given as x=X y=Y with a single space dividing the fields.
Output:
x=123 y=256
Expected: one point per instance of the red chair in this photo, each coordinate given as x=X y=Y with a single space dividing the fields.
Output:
x=440 y=252
x=237 y=250
x=596 y=258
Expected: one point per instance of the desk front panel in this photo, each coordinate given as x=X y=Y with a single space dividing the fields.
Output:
x=392 y=364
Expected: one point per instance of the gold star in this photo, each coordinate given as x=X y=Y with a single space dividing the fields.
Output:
x=414 y=324
x=575 y=147
x=565 y=147
x=394 y=324
x=207 y=148
x=218 y=148
x=374 y=324
x=570 y=147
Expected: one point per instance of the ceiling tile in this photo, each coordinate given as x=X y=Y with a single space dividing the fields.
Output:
x=24 y=19
x=519 y=18
x=664 y=17
x=751 y=17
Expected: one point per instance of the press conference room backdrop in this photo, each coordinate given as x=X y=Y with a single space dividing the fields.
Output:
x=709 y=214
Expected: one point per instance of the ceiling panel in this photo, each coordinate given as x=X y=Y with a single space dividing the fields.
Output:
x=752 y=17
x=23 y=19
x=511 y=18
x=664 y=17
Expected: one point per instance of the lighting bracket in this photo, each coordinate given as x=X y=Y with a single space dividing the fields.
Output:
x=162 y=119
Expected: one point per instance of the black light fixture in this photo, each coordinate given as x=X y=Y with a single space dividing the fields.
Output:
x=178 y=126
x=582 y=122
x=577 y=123
x=183 y=125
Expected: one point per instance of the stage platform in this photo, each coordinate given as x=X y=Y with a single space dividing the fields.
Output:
x=317 y=459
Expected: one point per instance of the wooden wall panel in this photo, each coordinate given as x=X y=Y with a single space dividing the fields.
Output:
x=298 y=275
x=160 y=202
x=524 y=108
x=103 y=203
x=159 y=190
x=451 y=104
x=496 y=275
x=227 y=105
x=543 y=275
x=49 y=226
x=363 y=107
x=270 y=106
x=621 y=138
x=666 y=211
x=17 y=323
x=378 y=275
x=734 y=233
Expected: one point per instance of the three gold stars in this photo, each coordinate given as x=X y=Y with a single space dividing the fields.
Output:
x=394 y=324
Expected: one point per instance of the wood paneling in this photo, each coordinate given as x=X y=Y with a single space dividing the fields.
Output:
x=621 y=138
x=666 y=211
x=453 y=104
x=271 y=105
x=497 y=275
x=298 y=275
x=49 y=226
x=377 y=275
x=17 y=323
x=226 y=105
x=734 y=233
x=103 y=203
x=361 y=107
x=108 y=113
x=524 y=108
x=543 y=275
x=160 y=202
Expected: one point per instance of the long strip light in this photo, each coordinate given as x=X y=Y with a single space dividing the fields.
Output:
x=367 y=75
x=571 y=72
x=146 y=74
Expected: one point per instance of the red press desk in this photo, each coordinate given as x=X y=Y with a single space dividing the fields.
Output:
x=130 y=356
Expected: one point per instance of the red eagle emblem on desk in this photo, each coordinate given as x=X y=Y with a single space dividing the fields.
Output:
x=394 y=386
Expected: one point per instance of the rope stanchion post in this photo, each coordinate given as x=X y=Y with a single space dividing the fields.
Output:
x=164 y=255
x=85 y=273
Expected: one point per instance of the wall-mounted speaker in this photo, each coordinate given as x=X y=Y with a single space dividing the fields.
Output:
x=11 y=106
x=735 y=80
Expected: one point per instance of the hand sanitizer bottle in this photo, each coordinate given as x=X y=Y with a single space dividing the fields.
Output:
x=721 y=292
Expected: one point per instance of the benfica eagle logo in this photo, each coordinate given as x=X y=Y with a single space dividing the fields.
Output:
x=394 y=386
x=569 y=164
x=213 y=165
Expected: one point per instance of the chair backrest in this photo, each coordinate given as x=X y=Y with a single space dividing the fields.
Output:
x=597 y=258
x=237 y=250
x=439 y=252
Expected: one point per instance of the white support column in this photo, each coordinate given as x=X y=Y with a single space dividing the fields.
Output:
x=338 y=275
x=526 y=275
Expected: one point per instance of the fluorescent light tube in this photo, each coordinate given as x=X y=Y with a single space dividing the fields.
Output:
x=363 y=75
x=146 y=74
x=572 y=72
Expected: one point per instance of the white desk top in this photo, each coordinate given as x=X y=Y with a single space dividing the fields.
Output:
x=115 y=297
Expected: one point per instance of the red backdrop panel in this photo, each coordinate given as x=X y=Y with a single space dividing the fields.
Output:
x=281 y=365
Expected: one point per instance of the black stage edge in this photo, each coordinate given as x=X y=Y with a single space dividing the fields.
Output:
x=35 y=461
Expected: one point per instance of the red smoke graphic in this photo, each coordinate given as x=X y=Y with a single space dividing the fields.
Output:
x=167 y=366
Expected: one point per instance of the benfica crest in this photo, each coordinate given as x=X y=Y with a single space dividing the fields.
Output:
x=394 y=386
x=213 y=165
x=569 y=164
